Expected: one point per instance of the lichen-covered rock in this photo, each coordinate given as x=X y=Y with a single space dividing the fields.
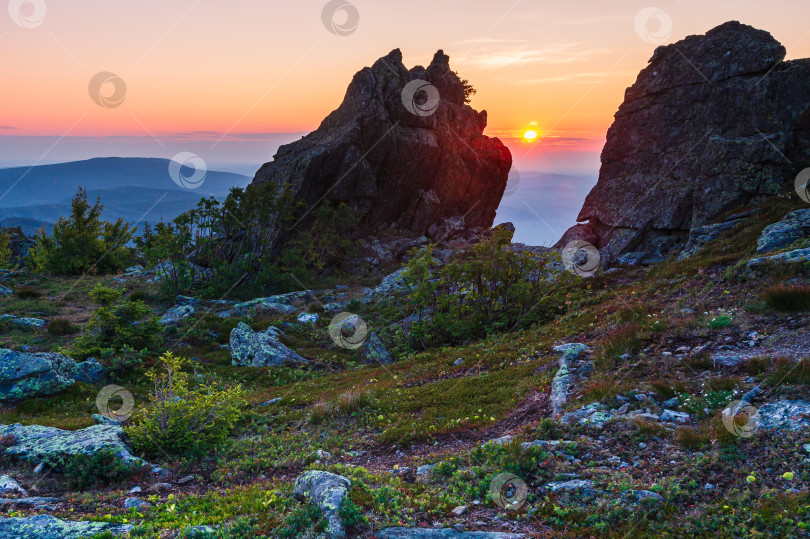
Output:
x=89 y=371
x=392 y=166
x=264 y=306
x=797 y=256
x=30 y=322
x=4 y=291
x=35 y=443
x=373 y=351
x=701 y=236
x=793 y=227
x=48 y=527
x=564 y=378
x=392 y=284
x=714 y=122
x=253 y=349
x=443 y=533
x=24 y=376
x=9 y=486
x=326 y=491
x=176 y=314
x=785 y=415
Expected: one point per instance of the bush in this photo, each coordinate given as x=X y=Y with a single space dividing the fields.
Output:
x=182 y=419
x=5 y=249
x=60 y=326
x=83 y=243
x=28 y=292
x=489 y=289
x=117 y=325
x=100 y=468
x=121 y=362
x=788 y=298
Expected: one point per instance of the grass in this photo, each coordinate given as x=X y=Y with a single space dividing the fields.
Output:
x=28 y=292
x=59 y=327
x=788 y=298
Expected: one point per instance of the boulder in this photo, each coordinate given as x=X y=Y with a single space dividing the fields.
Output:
x=793 y=227
x=264 y=306
x=400 y=157
x=35 y=443
x=48 y=527
x=9 y=486
x=443 y=533
x=136 y=503
x=176 y=314
x=253 y=349
x=30 y=322
x=89 y=371
x=785 y=415
x=373 y=351
x=714 y=122
x=24 y=376
x=326 y=491
x=4 y=291
x=797 y=256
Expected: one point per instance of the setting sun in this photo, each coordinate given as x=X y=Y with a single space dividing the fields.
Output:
x=530 y=134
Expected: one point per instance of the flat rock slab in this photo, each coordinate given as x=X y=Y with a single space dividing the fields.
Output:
x=48 y=527
x=260 y=349
x=446 y=533
x=35 y=443
x=24 y=376
x=785 y=415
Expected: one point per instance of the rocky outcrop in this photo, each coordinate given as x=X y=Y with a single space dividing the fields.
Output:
x=260 y=349
x=48 y=527
x=326 y=491
x=405 y=155
x=445 y=533
x=793 y=227
x=24 y=376
x=714 y=122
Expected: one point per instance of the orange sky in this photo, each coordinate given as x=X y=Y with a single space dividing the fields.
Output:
x=250 y=66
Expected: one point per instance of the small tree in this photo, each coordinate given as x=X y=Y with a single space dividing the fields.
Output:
x=82 y=242
x=5 y=249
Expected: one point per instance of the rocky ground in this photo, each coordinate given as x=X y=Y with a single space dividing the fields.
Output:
x=666 y=399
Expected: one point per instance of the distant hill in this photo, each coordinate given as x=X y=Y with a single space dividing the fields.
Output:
x=29 y=226
x=135 y=189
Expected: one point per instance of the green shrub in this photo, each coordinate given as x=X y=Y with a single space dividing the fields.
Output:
x=121 y=362
x=117 y=325
x=60 y=326
x=793 y=298
x=720 y=322
x=182 y=419
x=83 y=243
x=5 y=249
x=28 y=292
x=100 y=468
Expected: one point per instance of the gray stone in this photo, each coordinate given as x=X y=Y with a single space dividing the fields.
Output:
x=35 y=443
x=785 y=415
x=136 y=503
x=23 y=375
x=9 y=486
x=443 y=533
x=4 y=291
x=563 y=379
x=373 y=351
x=724 y=360
x=424 y=473
x=636 y=497
x=31 y=322
x=198 y=532
x=701 y=236
x=793 y=227
x=391 y=285
x=252 y=349
x=37 y=502
x=89 y=371
x=569 y=486
x=281 y=304
x=460 y=510
x=176 y=314
x=797 y=256
x=673 y=416
x=672 y=403
x=48 y=527
x=308 y=318
x=326 y=491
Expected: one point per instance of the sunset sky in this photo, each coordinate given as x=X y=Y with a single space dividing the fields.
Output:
x=264 y=72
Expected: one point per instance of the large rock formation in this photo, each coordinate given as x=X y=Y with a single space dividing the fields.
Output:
x=714 y=122
x=416 y=172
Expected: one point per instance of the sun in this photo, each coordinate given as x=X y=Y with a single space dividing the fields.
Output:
x=530 y=134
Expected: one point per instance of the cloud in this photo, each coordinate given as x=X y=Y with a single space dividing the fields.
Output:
x=571 y=77
x=7 y=128
x=503 y=55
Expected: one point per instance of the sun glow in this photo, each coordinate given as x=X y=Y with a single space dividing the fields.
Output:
x=530 y=134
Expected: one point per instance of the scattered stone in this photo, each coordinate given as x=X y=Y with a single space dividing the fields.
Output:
x=23 y=375
x=636 y=497
x=186 y=479
x=793 y=227
x=424 y=473
x=252 y=349
x=569 y=486
x=307 y=318
x=31 y=322
x=727 y=360
x=460 y=510
x=89 y=371
x=673 y=416
x=136 y=503
x=271 y=401
x=326 y=491
x=35 y=443
x=265 y=306
x=36 y=502
x=198 y=532
x=48 y=527
x=672 y=403
x=708 y=486
x=458 y=362
x=4 y=291
x=176 y=314
x=503 y=440
x=135 y=490
x=323 y=455
x=785 y=415
x=9 y=486
x=374 y=352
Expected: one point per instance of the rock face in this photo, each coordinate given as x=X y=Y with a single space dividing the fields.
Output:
x=421 y=172
x=793 y=227
x=48 y=527
x=24 y=376
x=712 y=123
